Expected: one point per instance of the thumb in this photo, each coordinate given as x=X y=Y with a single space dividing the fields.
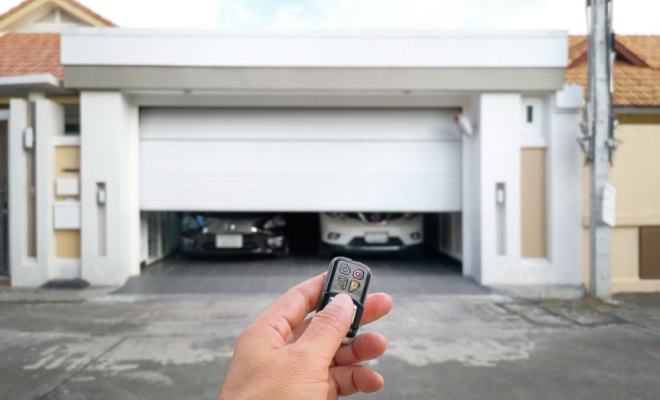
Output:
x=327 y=328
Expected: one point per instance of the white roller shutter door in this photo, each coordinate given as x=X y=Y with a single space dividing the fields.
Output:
x=299 y=160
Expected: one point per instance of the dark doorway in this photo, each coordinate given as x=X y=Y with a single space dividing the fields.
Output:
x=4 y=264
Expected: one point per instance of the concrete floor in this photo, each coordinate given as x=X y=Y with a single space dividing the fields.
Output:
x=429 y=274
x=465 y=345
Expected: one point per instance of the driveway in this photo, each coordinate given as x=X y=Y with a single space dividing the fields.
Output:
x=440 y=347
x=169 y=334
x=427 y=274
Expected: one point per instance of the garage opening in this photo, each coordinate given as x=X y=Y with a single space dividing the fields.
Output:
x=304 y=236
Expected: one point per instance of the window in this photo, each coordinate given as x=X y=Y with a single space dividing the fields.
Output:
x=533 y=126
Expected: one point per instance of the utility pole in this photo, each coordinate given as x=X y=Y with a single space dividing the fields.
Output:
x=601 y=144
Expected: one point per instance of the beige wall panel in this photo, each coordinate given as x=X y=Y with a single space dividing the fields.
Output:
x=67 y=241
x=68 y=244
x=635 y=173
x=625 y=253
x=67 y=158
x=70 y=99
x=533 y=203
x=625 y=262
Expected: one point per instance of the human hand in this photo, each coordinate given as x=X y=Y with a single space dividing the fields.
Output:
x=282 y=355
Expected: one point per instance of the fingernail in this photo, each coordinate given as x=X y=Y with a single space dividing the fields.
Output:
x=343 y=300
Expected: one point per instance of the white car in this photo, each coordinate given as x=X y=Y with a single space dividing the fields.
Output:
x=371 y=232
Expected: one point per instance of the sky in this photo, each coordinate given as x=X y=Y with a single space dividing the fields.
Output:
x=630 y=16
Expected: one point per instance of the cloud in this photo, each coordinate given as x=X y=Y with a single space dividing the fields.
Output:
x=631 y=16
x=406 y=14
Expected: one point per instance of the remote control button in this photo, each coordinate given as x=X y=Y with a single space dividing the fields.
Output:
x=344 y=269
x=358 y=274
x=343 y=281
x=354 y=286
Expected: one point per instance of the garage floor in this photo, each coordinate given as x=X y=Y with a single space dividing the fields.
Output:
x=427 y=274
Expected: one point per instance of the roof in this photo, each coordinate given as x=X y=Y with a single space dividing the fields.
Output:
x=37 y=53
x=636 y=69
x=69 y=5
x=30 y=54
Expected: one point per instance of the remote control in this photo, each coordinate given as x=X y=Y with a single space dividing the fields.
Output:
x=350 y=277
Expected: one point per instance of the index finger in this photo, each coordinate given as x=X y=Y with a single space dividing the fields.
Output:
x=294 y=305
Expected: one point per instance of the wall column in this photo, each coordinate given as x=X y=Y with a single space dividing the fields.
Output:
x=500 y=126
x=23 y=266
x=110 y=231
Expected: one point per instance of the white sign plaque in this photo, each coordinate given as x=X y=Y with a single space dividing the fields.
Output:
x=67 y=215
x=67 y=187
x=609 y=205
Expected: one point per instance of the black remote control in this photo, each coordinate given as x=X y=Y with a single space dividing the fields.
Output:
x=350 y=277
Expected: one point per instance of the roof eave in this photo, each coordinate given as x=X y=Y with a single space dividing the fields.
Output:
x=20 y=85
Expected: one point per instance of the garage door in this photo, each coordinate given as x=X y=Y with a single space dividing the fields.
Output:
x=299 y=160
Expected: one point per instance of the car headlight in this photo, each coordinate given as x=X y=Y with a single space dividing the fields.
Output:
x=333 y=236
x=186 y=241
x=277 y=241
x=275 y=222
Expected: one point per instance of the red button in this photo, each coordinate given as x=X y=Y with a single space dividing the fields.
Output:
x=358 y=274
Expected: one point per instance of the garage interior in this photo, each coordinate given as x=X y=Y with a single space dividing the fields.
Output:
x=430 y=271
x=297 y=162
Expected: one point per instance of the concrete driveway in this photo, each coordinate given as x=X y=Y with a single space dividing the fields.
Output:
x=441 y=346
x=428 y=274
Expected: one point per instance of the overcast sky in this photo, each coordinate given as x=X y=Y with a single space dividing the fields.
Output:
x=630 y=16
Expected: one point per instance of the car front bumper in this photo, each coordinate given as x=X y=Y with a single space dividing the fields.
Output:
x=205 y=243
x=401 y=233
x=358 y=245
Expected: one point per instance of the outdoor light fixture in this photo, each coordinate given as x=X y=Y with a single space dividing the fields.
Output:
x=464 y=124
x=28 y=138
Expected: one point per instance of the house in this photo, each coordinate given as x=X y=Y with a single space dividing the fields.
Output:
x=173 y=120
x=635 y=171
x=30 y=69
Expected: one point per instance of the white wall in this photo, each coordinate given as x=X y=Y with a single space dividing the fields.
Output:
x=501 y=141
x=158 y=47
x=24 y=270
x=109 y=155
x=565 y=168
x=471 y=224
x=49 y=123
x=500 y=126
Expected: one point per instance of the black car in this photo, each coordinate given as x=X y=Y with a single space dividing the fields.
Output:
x=232 y=234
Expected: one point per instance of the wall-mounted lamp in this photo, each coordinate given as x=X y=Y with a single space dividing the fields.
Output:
x=464 y=124
x=28 y=138
x=100 y=196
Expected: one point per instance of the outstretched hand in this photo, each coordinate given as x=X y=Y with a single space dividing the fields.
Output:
x=282 y=355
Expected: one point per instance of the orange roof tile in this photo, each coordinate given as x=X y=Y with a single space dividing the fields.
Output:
x=30 y=54
x=71 y=2
x=634 y=85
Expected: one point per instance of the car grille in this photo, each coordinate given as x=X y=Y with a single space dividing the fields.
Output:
x=359 y=242
x=250 y=242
